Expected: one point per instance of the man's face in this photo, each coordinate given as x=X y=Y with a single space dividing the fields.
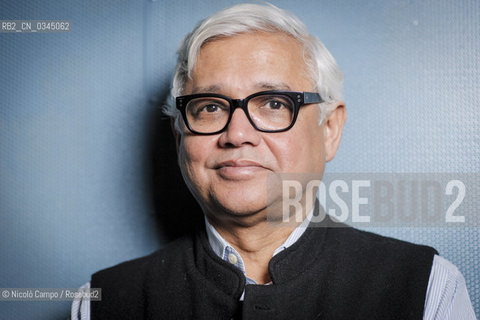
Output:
x=229 y=170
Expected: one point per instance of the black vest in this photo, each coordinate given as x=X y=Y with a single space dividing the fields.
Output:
x=329 y=273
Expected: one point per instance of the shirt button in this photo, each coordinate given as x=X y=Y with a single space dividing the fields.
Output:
x=232 y=258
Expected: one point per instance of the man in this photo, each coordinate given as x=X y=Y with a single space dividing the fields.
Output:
x=257 y=95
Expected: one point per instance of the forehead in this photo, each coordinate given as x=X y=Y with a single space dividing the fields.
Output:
x=249 y=61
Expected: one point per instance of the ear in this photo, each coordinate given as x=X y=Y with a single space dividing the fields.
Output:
x=333 y=127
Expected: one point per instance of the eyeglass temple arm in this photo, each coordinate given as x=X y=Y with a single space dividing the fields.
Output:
x=311 y=97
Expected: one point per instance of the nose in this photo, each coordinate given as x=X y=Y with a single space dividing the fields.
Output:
x=239 y=132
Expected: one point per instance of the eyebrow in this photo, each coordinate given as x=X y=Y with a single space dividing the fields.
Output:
x=277 y=86
x=210 y=89
x=262 y=86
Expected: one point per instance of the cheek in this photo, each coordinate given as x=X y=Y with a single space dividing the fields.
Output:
x=316 y=149
x=314 y=142
x=301 y=149
x=197 y=150
x=287 y=150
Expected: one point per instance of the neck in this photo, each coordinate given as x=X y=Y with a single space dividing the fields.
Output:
x=255 y=239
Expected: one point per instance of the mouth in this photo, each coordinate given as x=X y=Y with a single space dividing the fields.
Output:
x=238 y=164
x=239 y=169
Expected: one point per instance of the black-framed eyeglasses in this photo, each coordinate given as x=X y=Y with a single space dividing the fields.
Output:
x=267 y=111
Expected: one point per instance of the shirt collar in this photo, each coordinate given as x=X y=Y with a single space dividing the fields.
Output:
x=225 y=251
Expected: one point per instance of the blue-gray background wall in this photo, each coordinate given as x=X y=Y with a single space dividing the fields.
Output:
x=79 y=124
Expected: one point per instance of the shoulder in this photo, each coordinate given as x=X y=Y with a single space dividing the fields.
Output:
x=366 y=241
x=167 y=257
x=367 y=237
x=124 y=285
x=445 y=271
x=369 y=251
x=445 y=277
x=447 y=295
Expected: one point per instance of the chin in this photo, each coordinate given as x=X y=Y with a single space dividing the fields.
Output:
x=238 y=206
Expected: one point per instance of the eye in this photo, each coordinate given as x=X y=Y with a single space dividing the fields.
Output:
x=209 y=108
x=203 y=107
x=275 y=104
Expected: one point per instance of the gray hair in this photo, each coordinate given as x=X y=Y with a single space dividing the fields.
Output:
x=243 y=18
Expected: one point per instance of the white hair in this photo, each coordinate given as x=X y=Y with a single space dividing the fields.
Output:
x=244 y=18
